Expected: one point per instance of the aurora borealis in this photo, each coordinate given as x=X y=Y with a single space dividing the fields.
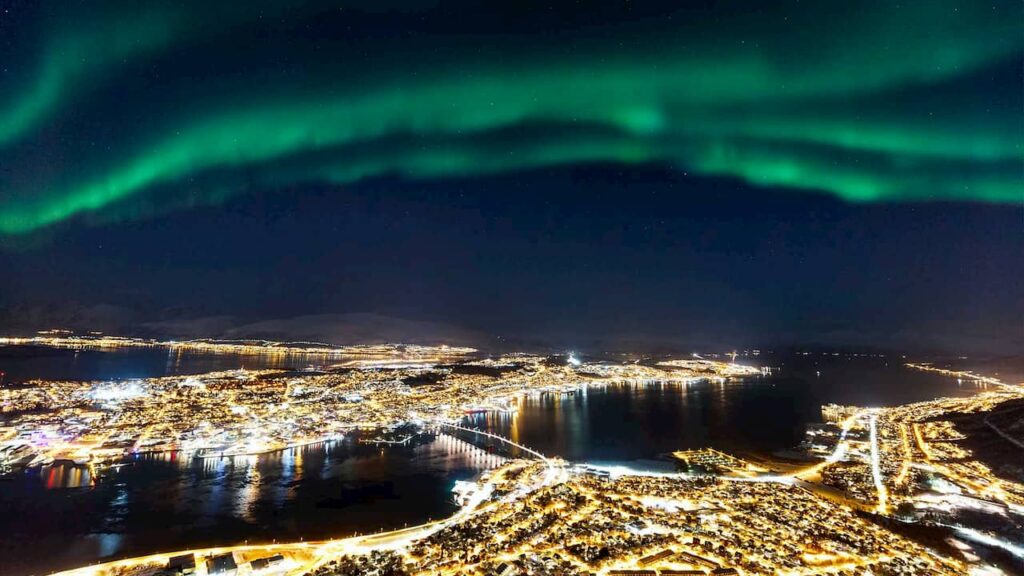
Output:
x=604 y=175
x=155 y=106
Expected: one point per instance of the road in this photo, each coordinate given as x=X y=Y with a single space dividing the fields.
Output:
x=1004 y=435
x=876 y=467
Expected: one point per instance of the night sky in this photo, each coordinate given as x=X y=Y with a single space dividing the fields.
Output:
x=594 y=175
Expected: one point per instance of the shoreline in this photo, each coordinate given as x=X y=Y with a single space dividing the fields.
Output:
x=759 y=457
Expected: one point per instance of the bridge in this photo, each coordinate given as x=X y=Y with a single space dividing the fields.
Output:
x=526 y=449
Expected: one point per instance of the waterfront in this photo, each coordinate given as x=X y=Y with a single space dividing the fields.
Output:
x=57 y=517
x=335 y=489
x=755 y=415
x=23 y=363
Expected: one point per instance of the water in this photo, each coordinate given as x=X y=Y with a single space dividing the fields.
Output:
x=757 y=415
x=22 y=363
x=60 y=517
x=629 y=422
x=865 y=380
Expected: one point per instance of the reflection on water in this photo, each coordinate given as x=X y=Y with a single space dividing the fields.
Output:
x=59 y=517
x=63 y=475
x=641 y=421
x=64 y=516
x=22 y=363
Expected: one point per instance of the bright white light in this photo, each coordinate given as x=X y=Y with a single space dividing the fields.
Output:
x=972 y=534
x=115 y=392
x=876 y=467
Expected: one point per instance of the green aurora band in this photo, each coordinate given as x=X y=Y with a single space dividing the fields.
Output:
x=860 y=109
x=77 y=56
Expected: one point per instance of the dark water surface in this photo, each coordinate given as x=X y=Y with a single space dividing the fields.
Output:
x=22 y=363
x=760 y=415
x=59 y=517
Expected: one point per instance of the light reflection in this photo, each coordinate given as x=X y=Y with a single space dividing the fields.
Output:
x=248 y=496
x=61 y=475
x=109 y=543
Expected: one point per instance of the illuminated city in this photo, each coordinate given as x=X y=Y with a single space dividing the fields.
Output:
x=827 y=509
x=248 y=412
x=511 y=288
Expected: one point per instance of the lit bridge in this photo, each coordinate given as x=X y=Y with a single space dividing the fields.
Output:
x=477 y=456
x=529 y=451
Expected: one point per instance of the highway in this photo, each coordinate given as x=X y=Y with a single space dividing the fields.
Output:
x=837 y=454
x=876 y=467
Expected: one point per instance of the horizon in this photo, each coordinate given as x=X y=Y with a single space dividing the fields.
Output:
x=639 y=347
x=685 y=173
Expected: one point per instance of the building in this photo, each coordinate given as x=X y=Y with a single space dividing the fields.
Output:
x=647 y=560
x=265 y=563
x=221 y=565
x=694 y=559
x=504 y=569
x=184 y=565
